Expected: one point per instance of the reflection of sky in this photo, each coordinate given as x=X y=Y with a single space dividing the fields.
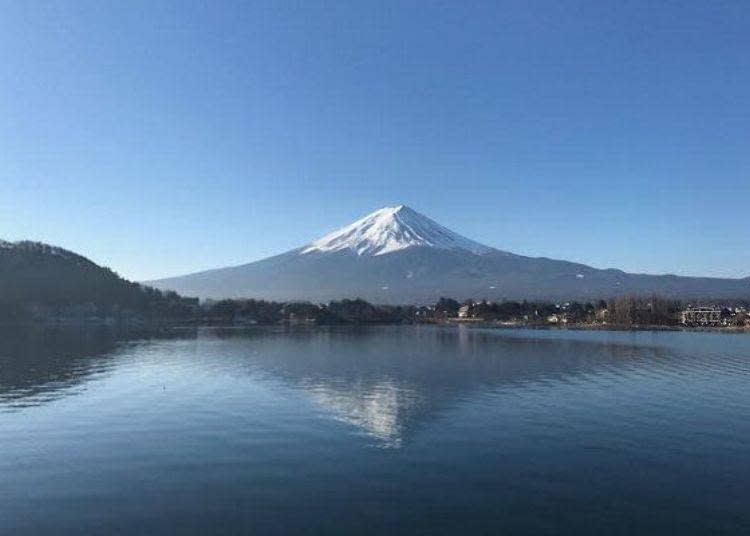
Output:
x=385 y=382
x=269 y=427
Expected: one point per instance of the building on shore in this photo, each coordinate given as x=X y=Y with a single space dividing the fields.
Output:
x=558 y=318
x=701 y=316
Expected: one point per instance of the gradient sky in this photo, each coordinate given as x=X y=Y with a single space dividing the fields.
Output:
x=161 y=138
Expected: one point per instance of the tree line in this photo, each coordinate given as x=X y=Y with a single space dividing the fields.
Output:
x=354 y=311
x=622 y=311
x=38 y=281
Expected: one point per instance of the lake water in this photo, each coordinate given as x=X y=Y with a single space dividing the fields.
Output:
x=415 y=429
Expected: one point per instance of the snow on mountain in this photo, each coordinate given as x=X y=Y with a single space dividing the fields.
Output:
x=393 y=229
x=396 y=255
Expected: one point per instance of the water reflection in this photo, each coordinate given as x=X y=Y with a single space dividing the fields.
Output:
x=380 y=409
x=39 y=364
x=270 y=430
x=384 y=381
x=388 y=381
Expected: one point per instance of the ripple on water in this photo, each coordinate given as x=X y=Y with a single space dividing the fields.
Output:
x=261 y=429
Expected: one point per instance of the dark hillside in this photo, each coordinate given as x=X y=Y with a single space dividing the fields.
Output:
x=41 y=280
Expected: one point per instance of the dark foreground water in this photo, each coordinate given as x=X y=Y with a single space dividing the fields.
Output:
x=381 y=430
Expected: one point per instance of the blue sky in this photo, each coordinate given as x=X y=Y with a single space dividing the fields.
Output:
x=161 y=138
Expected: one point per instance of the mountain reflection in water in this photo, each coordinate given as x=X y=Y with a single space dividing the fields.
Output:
x=369 y=430
x=385 y=389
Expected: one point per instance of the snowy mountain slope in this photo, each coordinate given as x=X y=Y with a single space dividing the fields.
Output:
x=396 y=255
x=393 y=229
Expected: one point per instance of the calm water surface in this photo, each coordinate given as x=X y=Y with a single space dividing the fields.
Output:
x=393 y=429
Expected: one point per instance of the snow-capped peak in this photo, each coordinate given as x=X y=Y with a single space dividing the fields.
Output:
x=392 y=229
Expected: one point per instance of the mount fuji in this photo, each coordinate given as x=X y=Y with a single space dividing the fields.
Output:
x=397 y=255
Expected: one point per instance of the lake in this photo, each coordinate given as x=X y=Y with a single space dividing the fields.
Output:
x=413 y=429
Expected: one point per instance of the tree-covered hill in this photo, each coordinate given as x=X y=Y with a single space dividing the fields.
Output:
x=41 y=280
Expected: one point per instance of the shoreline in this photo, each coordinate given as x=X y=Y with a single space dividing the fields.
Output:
x=594 y=327
x=473 y=323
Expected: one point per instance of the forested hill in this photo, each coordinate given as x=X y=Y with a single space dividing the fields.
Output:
x=40 y=280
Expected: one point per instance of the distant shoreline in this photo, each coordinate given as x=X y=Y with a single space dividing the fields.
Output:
x=141 y=324
x=595 y=327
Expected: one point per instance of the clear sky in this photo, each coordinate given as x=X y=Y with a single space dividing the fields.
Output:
x=160 y=138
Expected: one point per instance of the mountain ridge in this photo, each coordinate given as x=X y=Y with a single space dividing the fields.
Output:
x=397 y=255
x=38 y=280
